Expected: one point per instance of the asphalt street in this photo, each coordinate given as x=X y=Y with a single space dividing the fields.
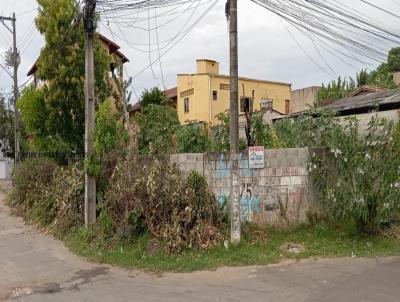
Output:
x=36 y=267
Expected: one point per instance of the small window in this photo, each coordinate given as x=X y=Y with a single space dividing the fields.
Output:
x=215 y=95
x=186 y=105
x=224 y=86
x=245 y=104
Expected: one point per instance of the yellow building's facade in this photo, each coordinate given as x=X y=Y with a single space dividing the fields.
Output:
x=203 y=95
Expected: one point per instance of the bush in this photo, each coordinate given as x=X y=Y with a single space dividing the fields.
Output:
x=180 y=212
x=156 y=129
x=49 y=194
x=124 y=197
x=193 y=138
x=361 y=182
x=31 y=178
x=69 y=193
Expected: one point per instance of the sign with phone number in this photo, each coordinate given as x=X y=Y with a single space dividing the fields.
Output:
x=256 y=157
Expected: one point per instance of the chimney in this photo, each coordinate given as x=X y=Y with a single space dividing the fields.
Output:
x=207 y=66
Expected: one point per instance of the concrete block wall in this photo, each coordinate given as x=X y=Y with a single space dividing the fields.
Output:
x=188 y=162
x=278 y=195
x=281 y=194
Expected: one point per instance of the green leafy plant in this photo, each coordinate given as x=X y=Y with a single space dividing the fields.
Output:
x=193 y=138
x=157 y=126
x=153 y=96
x=361 y=182
x=222 y=133
x=55 y=113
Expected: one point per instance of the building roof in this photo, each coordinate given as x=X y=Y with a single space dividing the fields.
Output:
x=367 y=100
x=240 y=78
x=171 y=93
x=306 y=88
x=365 y=89
x=381 y=99
x=112 y=47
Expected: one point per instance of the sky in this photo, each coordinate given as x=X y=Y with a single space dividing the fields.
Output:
x=266 y=48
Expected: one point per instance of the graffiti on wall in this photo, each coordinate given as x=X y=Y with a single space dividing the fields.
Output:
x=249 y=202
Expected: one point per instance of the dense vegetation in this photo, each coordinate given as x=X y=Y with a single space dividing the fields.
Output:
x=54 y=113
x=6 y=128
x=379 y=77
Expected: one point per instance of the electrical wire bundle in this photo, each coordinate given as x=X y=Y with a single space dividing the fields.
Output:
x=337 y=27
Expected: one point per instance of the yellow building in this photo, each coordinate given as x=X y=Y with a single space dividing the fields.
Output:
x=201 y=96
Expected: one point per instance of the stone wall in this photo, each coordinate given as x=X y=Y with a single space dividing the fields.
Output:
x=280 y=194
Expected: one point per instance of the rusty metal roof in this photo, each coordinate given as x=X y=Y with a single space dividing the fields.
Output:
x=366 y=100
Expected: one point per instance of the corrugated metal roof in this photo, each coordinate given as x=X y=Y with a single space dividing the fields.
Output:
x=362 y=102
x=366 y=100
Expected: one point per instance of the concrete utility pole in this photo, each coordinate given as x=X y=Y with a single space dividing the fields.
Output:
x=234 y=127
x=13 y=60
x=90 y=181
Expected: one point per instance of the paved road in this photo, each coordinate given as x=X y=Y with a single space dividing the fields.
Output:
x=35 y=267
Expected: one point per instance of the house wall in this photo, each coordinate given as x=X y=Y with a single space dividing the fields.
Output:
x=198 y=101
x=5 y=168
x=280 y=194
x=364 y=119
x=303 y=99
x=204 y=108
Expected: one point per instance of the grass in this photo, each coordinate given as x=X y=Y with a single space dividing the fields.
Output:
x=258 y=247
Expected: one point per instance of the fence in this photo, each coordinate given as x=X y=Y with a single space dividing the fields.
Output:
x=281 y=194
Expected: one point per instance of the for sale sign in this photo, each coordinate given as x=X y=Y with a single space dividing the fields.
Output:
x=256 y=157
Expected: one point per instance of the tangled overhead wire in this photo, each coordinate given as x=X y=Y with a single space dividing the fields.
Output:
x=336 y=26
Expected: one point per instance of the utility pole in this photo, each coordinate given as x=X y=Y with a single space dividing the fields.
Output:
x=13 y=60
x=90 y=181
x=234 y=127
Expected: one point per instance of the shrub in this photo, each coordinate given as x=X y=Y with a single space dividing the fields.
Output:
x=68 y=190
x=30 y=179
x=361 y=182
x=49 y=194
x=156 y=129
x=124 y=198
x=180 y=212
x=193 y=138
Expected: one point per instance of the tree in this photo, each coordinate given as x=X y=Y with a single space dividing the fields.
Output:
x=59 y=105
x=380 y=77
x=335 y=90
x=362 y=78
x=157 y=126
x=193 y=138
x=6 y=129
x=221 y=140
x=394 y=60
x=153 y=96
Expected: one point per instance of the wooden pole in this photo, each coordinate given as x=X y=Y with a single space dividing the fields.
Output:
x=234 y=127
x=90 y=181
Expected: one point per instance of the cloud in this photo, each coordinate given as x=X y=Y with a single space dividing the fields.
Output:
x=266 y=49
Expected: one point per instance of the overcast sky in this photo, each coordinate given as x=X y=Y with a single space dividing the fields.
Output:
x=266 y=49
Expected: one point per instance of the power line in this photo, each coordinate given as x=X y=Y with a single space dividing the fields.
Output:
x=380 y=8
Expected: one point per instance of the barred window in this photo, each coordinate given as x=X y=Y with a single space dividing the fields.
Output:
x=224 y=86
x=187 y=93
